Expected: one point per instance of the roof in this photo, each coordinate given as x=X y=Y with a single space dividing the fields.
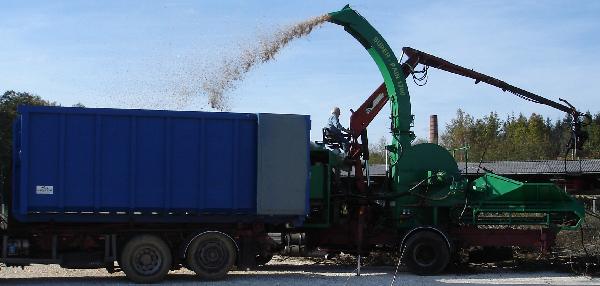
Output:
x=587 y=166
x=539 y=167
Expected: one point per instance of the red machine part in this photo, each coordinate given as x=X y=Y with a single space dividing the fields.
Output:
x=542 y=239
x=362 y=117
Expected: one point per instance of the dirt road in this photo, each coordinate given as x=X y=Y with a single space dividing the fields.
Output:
x=290 y=272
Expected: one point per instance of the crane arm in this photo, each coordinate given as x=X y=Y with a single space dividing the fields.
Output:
x=578 y=135
x=374 y=103
x=439 y=63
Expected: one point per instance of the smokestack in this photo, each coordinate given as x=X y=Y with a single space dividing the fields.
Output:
x=433 y=129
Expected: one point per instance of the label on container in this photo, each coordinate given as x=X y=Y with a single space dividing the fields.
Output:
x=44 y=190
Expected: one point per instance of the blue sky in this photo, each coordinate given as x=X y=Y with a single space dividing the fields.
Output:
x=145 y=54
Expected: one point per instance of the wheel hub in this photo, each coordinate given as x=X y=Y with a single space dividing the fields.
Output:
x=424 y=255
x=212 y=255
x=147 y=260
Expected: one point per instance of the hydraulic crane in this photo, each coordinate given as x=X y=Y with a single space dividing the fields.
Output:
x=426 y=206
x=395 y=89
x=379 y=98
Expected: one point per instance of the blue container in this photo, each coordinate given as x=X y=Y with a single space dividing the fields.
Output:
x=105 y=165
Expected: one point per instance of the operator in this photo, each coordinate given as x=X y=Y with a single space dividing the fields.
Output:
x=336 y=129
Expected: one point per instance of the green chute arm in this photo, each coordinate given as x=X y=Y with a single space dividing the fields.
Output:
x=390 y=69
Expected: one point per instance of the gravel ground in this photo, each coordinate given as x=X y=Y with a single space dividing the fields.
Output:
x=293 y=272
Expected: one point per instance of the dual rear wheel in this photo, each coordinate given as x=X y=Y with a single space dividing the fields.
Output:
x=211 y=255
x=147 y=258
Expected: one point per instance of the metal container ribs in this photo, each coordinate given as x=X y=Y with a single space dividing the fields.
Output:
x=85 y=164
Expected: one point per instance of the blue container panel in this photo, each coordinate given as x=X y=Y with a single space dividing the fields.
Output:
x=187 y=159
x=246 y=157
x=104 y=160
x=114 y=163
x=219 y=161
x=44 y=146
x=149 y=168
x=79 y=163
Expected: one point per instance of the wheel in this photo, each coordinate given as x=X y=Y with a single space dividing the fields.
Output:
x=146 y=259
x=426 y=253
x=263 y=258
x=211 y=255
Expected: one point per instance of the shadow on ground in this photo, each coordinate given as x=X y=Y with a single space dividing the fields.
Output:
x=317 y=275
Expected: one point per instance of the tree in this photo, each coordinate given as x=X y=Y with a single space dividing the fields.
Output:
x=517 y=137
x=9 y=102
x=377 y=151
x=592 y=145
x=560 y=133
x=484 y=138
x=538 y=138
x=457 y=131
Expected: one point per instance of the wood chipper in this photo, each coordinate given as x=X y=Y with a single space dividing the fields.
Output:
x=425 y=209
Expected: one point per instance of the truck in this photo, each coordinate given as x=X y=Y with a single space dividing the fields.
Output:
x=149 y=191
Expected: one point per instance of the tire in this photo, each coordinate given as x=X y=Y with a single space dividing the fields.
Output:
x=146 y=259
x=426 y=253
x=211 y=255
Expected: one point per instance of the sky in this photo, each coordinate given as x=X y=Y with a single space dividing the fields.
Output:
x=153 y=54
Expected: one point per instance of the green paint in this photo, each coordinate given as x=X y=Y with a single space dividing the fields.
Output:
x=429 y=172
x=496 y=194
x=394 y=79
